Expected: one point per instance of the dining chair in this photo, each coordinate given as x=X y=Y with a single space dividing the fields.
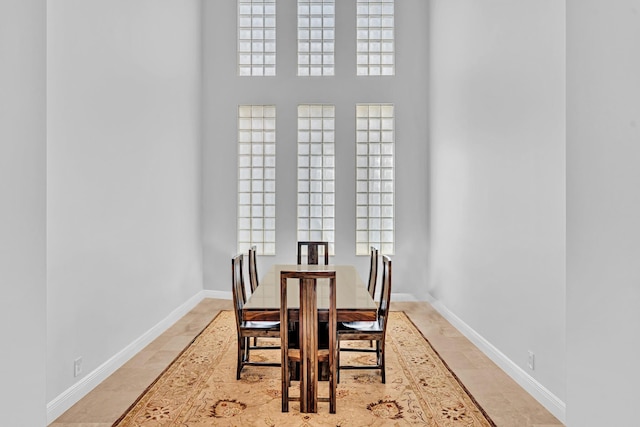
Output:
x=308 y=355
x=312 y=250
x=253 y=268
x=248 y=329
x=367 y=331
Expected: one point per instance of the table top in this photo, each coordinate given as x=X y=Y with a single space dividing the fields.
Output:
x=352 y=298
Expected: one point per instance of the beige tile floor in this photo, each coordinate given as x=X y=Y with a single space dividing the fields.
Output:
x=505 y=401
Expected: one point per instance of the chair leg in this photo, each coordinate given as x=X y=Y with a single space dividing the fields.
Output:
x=240 y=355
x=382 y=370
x=332 y=384
x=338 y=362
x=285 y=386
x=247 y=348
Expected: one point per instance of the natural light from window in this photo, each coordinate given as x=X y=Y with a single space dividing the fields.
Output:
x=375 y=33
x=316 y=173
x=374 y=178
x=257 y=178
x=316 y=37
x=257 y=37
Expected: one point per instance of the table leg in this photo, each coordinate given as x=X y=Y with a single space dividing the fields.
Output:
x=308 y=350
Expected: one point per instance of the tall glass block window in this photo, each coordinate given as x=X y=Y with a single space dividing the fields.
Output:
x=375 y=33
x=257 y=37
x=316 y=173
x=257 y=178
x=316 y=37
x=374 y=178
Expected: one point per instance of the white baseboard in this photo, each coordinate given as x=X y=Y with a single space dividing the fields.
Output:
x=73 y=394
x=403 y=297
x=227 y=295
x=207 y=293
x=547 y=399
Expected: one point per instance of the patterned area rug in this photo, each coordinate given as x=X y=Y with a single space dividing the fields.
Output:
x=200 y=389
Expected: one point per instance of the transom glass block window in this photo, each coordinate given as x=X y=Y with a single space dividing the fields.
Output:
x=257 y=178
x=374 y=178
x=316 y=173
x=316 y=37
x=375 y=28
x=257 y=37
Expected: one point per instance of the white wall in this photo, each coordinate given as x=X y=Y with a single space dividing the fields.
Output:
x=498 y=178
x=22 y=212
x=124 y=238
x=224 y=90
x=603 y=211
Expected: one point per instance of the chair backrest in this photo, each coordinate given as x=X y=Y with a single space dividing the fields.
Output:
x=308 y=328
x=373 y=272
x=312 y=250
x=253 y=269
x=237 y=287
x=308 y=308
x=385 y=294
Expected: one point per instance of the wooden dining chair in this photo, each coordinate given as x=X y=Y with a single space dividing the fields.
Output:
x=368 y=331
x=253 y=269
x=246 y=329
x=312 y=249
x=308 y=355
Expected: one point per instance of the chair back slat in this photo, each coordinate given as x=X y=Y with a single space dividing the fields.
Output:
x=385 y=294
x=237 y=289
x=253 y=269
x=373 y=272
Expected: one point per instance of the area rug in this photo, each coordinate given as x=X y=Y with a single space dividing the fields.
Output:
x=200 y=388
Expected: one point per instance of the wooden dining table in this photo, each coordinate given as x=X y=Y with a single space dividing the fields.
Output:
x=353 y=303
x=352 y=297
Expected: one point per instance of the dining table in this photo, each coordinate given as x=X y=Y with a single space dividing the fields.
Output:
x=353 y=303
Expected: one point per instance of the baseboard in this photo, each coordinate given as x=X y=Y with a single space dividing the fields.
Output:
x=547 y=399
x=403 y=297
x=208 y=293
x=73 y=394
x=227 y=295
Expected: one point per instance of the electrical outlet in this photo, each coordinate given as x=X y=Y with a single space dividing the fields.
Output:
x=532 y=364
x=77 y=366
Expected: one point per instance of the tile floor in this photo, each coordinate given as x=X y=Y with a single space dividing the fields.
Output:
x=505 y=401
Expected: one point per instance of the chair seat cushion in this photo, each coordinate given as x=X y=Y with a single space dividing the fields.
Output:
x=360 y=326
x=260 y=325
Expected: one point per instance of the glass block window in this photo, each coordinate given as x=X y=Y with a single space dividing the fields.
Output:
x=375 y=28
x=257 y=178
x=257 y=37
x=316 y=173
x=374 y=178
x=316 y=37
